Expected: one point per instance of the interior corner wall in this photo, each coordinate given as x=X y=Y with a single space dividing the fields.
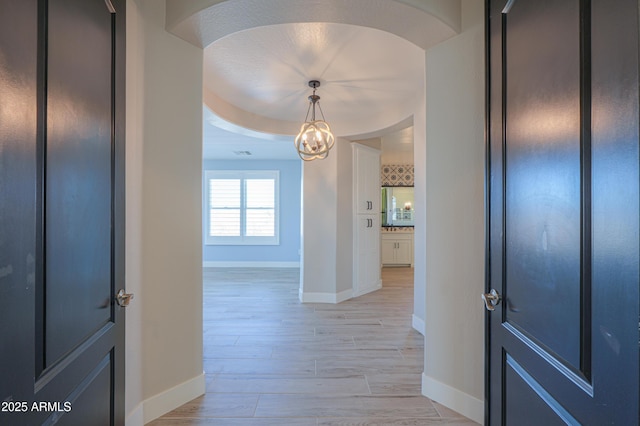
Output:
x=454 y=326
x=319 y=229
x=164 y=255
x=344 y=225
x=133 y=225
x=420 y=221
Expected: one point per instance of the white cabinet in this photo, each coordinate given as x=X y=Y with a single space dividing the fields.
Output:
x=366 y=257
x=366 y=178
x=397 y=248
x=366 y=226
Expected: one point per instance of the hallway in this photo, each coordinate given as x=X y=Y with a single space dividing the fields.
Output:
x=271 y=360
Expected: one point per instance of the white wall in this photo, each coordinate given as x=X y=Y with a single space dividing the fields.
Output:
x=454 y=332
x=326 y=270
x=344 y=211
x=164 y=250
x=420 y=223
x=133 y=228
x=319 y=228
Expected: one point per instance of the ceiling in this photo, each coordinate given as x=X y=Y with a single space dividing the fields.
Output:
x=256 y=86
x=221 y=144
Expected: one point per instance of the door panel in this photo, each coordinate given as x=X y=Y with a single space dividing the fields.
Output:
x=78 y=174
x=388 y=251
x=404 y=254
x=563 y=212
x=93 y=403
x=368 y=252
x=524 y=396
x=615 y=198
x=543 y=205
x=18 y=130
x=62 y=209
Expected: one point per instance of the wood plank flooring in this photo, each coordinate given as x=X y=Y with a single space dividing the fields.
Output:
x=273 y=361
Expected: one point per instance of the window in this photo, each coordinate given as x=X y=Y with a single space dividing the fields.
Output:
x=243 y=207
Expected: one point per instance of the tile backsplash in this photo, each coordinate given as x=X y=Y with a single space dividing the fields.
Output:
x=396 y=175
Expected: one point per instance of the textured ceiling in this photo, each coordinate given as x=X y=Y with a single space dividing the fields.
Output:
x=256 y=75
x=370 y=79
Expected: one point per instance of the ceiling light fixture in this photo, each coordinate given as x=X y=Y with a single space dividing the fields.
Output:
x=315 y=138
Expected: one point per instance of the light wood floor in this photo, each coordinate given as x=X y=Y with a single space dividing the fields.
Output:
x=271 y=360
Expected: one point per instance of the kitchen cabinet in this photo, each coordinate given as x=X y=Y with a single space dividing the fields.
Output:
x=397 y=249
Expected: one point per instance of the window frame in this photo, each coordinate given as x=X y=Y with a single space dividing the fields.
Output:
x=242 y=239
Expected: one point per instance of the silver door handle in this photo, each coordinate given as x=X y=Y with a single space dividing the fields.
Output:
x=123 y=298
x=491 y=299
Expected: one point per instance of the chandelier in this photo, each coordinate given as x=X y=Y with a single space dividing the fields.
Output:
x=315 y=138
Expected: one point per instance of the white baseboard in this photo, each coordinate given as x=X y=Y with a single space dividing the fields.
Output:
x=344 y=295
x=234 y=264
x=418 y=324
x=173 y=398
x=454 y=399
x=378 y=286
x=325 y=297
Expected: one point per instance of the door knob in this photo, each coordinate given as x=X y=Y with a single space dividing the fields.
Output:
x=491 y=299
x=123 y=298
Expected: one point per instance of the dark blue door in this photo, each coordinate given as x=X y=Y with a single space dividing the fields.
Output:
x=61 y=212
x=563 y=212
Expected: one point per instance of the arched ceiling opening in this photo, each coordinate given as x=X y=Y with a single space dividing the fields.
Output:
x=259 y=56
